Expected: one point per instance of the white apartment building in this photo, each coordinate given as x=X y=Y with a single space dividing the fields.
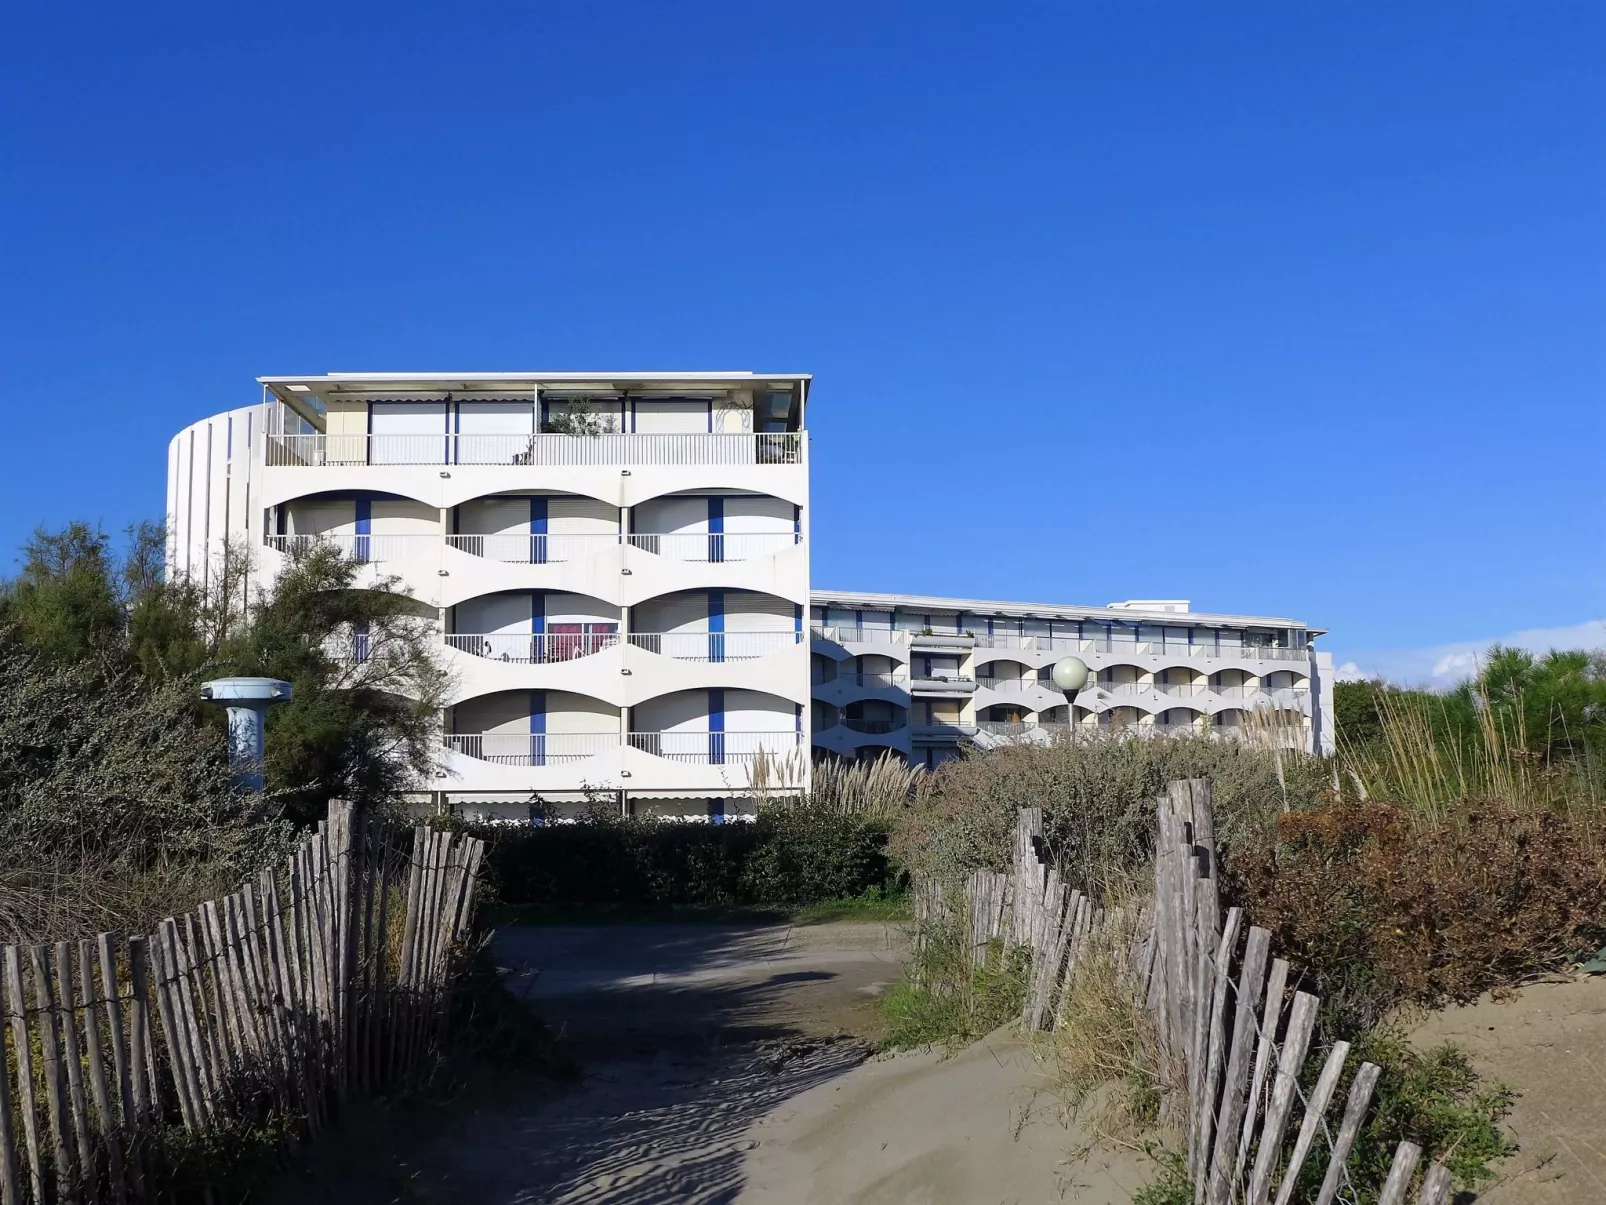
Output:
x=921 y=675
x=622 y=609
x=618 y=567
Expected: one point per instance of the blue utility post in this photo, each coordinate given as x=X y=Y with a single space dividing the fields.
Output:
x=247 y=700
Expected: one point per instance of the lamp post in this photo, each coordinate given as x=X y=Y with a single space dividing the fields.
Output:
x=1070 y=674
x=247 y=700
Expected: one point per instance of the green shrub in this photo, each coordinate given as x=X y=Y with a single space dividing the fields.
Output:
x=1434 y=1099
x=945 y=998
x=787 y=857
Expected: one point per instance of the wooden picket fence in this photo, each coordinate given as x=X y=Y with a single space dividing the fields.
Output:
x=325 y=977
x=1239 y=1050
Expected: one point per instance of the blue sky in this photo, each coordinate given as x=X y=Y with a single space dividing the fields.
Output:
x=1287 y=309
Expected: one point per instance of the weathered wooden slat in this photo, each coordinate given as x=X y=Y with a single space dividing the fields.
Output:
x=367 y=842
x=1216 y=1043
x=231 y=1026
x=122 y=1064
x=173 y=1034
x=383 y=977
x=1251 y=980
x=1360 y=1096
x=1406 y=1156
x=1301 y=1023
x=1435 y=1186
x=1271 y=1015
x=17 y=1006
x=99 y=1083
x=147 y=1099
x=10 y=1179
x=1314 y=1110
x=208 y=1059
x=72 y=1057
x=209 y=1004
x=189 y=1022
x=47 y=1022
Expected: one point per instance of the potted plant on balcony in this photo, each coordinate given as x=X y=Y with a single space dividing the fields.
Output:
x=577 y=418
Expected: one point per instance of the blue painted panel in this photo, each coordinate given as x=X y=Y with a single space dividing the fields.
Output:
x=716 y=529
x=365 y=512
x=538 y=518
x=716 y=727
x=538 y=727
x=716 y=625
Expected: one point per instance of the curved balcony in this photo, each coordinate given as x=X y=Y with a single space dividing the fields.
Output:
x=532 y=748
x=714 y=547
x=522 y=548
x=524 y=648
x=714 y=748
x=715 y=646
x=367 y=549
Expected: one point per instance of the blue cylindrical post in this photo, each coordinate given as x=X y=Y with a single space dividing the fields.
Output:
x=247 y=700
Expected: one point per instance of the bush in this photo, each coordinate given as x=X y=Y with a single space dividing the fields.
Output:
x=946 y=998
x=1097 y=797
x=787 y=857
x=1380 y=911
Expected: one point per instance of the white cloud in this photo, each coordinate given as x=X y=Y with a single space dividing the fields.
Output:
x=1444 y=665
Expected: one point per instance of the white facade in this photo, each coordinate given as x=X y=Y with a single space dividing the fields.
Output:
x=622 y=611
x=920 y=675
x=626 y=611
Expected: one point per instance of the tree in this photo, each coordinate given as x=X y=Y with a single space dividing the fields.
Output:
x=363 y=657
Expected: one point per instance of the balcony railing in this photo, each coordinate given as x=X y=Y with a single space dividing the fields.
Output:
x=844 y=635
x=540 y=549
x=531 y=748
x=1181 y=690
x=872 y=727
x=933 y=685
x=1018 y=685
x=715 y=646
x=313 y=451
x=365 y=548
x=539 y=648
x=714 y=547
x=715 y=748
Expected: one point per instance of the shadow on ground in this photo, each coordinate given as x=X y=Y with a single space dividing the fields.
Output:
x=688 y=1035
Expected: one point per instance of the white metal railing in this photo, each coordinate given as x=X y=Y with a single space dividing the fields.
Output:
x=543 y=449
x=1123 y=690
x=531 y=748
x=1016 y=685
x=1005 y=640
x=941 y=685
x=359 y=547
x=844 y=635
x=944 y=728
x=1179 y=689
x=524 y=548
x=715 y=646
x=714 y=547
x=525 y=648
x=714 y=748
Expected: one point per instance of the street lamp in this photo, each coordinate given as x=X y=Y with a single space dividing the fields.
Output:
x=1070 y=674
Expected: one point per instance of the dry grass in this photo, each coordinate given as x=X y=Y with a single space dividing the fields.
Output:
x=61 y=900
x=1105 y=1049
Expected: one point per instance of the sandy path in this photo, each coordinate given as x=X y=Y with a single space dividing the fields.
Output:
x=1549 y=1043
x=727 y=1064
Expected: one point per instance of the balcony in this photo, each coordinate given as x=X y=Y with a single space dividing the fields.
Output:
x=319 y=451
x=1015 y=686
x=532 y=748
x=859 y=679
x=714 y=748
x=942 y=686
x=872 y=727
x=715 y=646
x=520 y=548
x=365 y=548
x=942 y=640
x=714 y=547
x=941 y=731
x=841 y=635
x=542 y=648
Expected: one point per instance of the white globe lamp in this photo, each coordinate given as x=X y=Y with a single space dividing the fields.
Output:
x=1070 y=674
